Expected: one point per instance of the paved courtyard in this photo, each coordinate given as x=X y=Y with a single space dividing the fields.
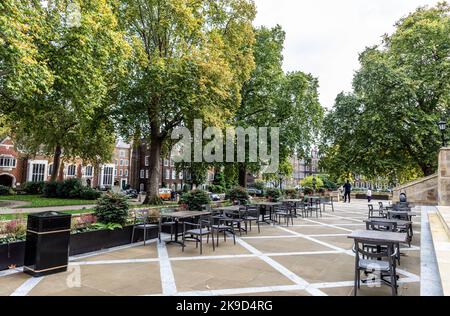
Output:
x=313 y=257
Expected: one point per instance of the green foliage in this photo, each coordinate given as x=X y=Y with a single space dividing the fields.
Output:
x=4 y=190
x=387 y=126
x=291 y=194
x=109 y=226
x=238 y=194
x=69 y=189
x=327 y=183
x=217 y=189
x=308 y=182
x=13 y=230
x=195 y=199
x=112 y=208
x=273 y=194
x=259 y=185
x=87 y=193
x=58 y=81
x=33 y=187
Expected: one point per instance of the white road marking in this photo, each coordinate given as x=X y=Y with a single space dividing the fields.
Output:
x=27 y=286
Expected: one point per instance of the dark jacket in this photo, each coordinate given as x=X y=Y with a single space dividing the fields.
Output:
x=347 y=188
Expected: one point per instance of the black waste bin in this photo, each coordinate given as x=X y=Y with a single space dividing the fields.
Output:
x=47 y=245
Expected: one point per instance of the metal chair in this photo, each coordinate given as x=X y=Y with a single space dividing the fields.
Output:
x=328 y=201
x=372 y=214
x=252 y=214
x=198 y=231
x=141 y=221
x=166 y=221
x=380 y=225
x=285 y=212
x=219 y=225
x=315 y=207
x=382 y=261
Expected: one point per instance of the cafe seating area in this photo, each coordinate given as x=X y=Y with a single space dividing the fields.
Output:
x=307 y=254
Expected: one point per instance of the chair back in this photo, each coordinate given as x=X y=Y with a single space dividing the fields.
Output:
x=140 y=215
x=371 y=211
x=388 y=253
x=379 y=225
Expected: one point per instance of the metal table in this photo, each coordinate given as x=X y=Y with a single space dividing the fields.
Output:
x=271 y=206
x=399 y=222
x=180 y=216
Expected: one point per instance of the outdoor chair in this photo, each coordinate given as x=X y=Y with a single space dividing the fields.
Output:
x=141 y=221
x=328 y=201
x=286 y=213
x=301 y=208
x=382 y=262
x=252 y=214
x=235 y=220
x=219 y=225
x=375 y=214
x=380 y=225
x=315 y=207
x=166 y=221
x=196 y=232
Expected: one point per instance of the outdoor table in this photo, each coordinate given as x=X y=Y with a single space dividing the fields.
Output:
x=180 y=216
x=407 y=213
x=271 y=206
x=230 y=209
x=390 y=238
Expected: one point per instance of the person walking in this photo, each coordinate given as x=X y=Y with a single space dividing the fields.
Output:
x=369 y=195
x=347 y=191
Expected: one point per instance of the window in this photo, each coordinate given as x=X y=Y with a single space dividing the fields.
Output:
x=121 y=172
x=147 y=161
x=146 y=174
x=115 y=172
x=108 y=176
x=142 y=174
x=127 y=162
x=50 y=169
x=142 y=187
x=122 y=154
x=116 y=162
x=180 y=176
x=37 y=172
x=167 y=174
x=126 y=173
x=172 y=163
x=71 y=170
x=166 y=163
x=174 y=175
x=89 y=171
x=121 y=162
x=7 y=161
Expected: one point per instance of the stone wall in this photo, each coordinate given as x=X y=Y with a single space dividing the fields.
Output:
x=444 y=177
x=420 y=192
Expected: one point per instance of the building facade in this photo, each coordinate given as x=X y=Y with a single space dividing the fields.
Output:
x=303 y=168
x=17 y=168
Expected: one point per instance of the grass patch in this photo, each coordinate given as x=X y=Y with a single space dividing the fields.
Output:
x=39 y=201
x=7 y=217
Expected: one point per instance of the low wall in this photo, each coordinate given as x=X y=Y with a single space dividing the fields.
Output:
x=420 y=192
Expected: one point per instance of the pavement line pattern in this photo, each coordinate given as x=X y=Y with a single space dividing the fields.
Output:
x=27 y=286
x=167 y=277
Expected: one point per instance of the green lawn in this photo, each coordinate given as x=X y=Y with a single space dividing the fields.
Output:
x=38 y=201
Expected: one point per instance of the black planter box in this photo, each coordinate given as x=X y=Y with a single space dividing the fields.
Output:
x=374 y=197
x=14 y=253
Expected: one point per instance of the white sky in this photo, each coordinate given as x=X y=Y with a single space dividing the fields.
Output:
x=324 y=37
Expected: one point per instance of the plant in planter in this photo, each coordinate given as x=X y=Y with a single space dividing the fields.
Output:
x=194 y=200
x=239 y=194
x=291 y=193
x=11 y=231
x=273 y=194
x=112 y=208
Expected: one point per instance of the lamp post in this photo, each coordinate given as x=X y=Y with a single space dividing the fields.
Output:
x=314 y=182
x=280 y=176
x=443 y=127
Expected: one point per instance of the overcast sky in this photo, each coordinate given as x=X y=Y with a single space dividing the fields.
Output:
x=324 y=37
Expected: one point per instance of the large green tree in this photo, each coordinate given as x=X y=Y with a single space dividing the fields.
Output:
x=190 y=60
x=80 y=51
x=388 y=125
x=271 y=98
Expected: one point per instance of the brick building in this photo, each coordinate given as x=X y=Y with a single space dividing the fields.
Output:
x=17 y=168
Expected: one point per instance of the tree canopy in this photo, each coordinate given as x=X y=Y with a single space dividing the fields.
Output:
x=387 y=126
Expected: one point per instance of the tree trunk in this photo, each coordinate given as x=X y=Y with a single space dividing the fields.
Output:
x=56 y=163
x=242 y=175
x=427 y=170
x=152 y=197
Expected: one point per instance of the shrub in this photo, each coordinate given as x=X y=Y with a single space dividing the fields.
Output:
x=51 y=189
x=4 y=190
x=70 y=189
x=308 y=191
x=34 y=187
x=291 y=193
x=195 y=200
x=238 y=194
x=13 y=230
x=112 y=208
x=308 y=182
x=87 y=193
x=273 y=194
x=218 y=189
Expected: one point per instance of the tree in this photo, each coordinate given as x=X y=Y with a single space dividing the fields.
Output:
x=272 y=98
x=190 y=60
x=80 y=51
x=387 y=125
